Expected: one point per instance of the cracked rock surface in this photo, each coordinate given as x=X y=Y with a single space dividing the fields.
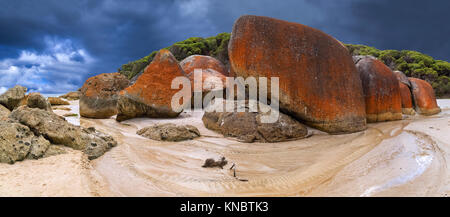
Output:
x=58 y=131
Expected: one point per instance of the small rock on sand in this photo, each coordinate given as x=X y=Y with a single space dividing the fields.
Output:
x=169 y=132
x=75 y=95
x=57 y=101
x=248 y=126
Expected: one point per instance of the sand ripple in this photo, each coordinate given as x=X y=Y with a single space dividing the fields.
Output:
x=400 y=158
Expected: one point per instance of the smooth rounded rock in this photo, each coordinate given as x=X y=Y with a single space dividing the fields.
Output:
x=381 y=91
x=248 y=126
x=152 y=94
x=100 y=93
x=318 y=80
x=36 y=100
x=57 y=101
x=12 y=97
x=213 y=74
x=424 y=97
x=169 y=132
x=407 y=103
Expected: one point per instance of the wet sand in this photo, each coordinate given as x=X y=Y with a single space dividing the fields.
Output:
x=400 y=158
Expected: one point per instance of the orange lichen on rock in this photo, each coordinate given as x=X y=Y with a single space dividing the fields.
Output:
x=99 y=95
x=318 y=80
x=381 y=90
x=405 y=92
x=209 y=66
x=213 y=73
x=202 y=62
x=151 y=95
x=401 y=77
x=407 y=104
x=424 y=98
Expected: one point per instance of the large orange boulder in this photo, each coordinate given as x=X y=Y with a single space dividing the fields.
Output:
x=318 y=80
x=405 y=93
x=402 y=78
x=381 y=90
x=407 y=103
x=202 y=62
x=424 y=98
x=99 y=94
x=210 y=67
x=151 y=95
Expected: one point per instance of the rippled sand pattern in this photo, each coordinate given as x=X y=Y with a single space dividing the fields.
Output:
x=401 y=158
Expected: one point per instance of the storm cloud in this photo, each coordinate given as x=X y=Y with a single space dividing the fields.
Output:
x=53 y=46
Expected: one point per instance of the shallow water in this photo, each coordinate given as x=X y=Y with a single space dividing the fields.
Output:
x=74 y=109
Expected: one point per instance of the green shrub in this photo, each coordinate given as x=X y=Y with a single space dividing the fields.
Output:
x=413 y=64
x=363 y=50
x=216 y=46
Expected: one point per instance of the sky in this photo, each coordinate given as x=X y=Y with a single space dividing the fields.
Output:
x=53 y=46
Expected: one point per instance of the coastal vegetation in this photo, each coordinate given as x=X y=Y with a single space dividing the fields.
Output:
x=412 y=63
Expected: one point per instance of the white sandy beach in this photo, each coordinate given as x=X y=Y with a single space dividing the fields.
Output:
x=400 y=158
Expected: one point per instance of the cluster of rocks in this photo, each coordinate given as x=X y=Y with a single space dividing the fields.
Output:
x=30 y=130
x=151 y=95
x=320 y=85
x=18 y=142
x=16 y=97
x=389 y=94
x=381 y=90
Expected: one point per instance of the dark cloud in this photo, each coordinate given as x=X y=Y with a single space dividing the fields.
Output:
x=412 y=25
x=77 y=39
x=385 y=24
